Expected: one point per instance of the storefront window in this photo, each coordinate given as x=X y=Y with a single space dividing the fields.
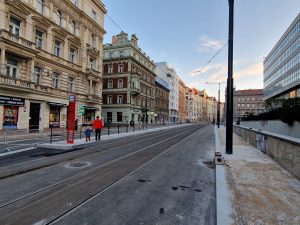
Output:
x=89 y=115
x=10 y=117
x=54 y=116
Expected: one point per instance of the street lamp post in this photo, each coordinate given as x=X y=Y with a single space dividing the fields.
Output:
x=229 y=102
x=218 y=105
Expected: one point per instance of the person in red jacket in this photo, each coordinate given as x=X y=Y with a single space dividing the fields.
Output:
x=97 y=125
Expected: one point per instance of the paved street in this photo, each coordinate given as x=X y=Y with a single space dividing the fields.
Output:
x=152 y=178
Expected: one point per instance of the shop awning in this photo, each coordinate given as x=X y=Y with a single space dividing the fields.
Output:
x=57 y=104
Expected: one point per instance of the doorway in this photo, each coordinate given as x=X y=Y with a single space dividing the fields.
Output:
x=34 y=119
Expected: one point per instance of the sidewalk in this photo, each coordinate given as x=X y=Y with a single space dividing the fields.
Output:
x=81 y=143
x=252 y=188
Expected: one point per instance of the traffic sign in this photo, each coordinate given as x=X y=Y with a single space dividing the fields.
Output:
x=82 y=110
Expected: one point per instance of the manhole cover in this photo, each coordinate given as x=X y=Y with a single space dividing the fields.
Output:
x=77 y=164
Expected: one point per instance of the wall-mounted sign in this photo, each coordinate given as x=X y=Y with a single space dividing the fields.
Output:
x=6 y=100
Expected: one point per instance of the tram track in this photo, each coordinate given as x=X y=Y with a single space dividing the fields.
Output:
x=22 y=168
x=58 y=199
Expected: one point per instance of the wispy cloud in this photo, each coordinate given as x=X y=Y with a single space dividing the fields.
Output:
x=250 y=70
x=208 y=44
x=219 y=72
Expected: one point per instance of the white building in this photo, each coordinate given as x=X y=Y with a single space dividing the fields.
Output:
x=166 y=72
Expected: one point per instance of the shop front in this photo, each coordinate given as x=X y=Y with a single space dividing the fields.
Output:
x=89 y=115
x=55 y=114
x=10 y=111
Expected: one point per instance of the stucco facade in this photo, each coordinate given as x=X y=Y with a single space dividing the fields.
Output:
x=49 y=51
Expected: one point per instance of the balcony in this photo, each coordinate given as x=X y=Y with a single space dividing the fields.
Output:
x=135 y=90
x=92 y=72
x=17 y=39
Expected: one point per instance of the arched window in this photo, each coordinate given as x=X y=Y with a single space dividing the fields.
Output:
x=73 y=27
x=40 y=6
x=58 y=18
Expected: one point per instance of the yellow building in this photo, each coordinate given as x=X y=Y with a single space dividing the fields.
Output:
x=50 y=49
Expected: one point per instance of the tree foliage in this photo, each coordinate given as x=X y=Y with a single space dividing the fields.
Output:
x=286 y=110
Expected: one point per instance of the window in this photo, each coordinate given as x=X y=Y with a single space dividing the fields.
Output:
x=93 y=41
x=91 y=63
x=72 y=55
x=74 y=2
x=109 y=99
x=73 y=27
x=109 y=116
x=70 y=84
x=111 y=54
x=40 y=6
x=121 y=54
x=38 y=39
x=57 y=47
x=120 y=83
x=14 y=26
x=109 y=84
x=119 y=116
x=92 y=87
x=110 y=69
x=58 y=18
x=247 y=105
x=12 y=68
x=120 y=68
x=36 y=78
x=94 y=15
x=253 y=105
x=119 y=99
x=55 y=80
x=239 y=105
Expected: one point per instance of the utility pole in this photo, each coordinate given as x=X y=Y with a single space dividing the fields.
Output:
x=218 y=106
x=229 y=102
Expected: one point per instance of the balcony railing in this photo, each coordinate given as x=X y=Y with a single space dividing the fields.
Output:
x=135 y=90
x=17 y=39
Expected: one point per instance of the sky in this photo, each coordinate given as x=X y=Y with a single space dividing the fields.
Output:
x=187 y=34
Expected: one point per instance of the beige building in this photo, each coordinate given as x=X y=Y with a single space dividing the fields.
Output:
x=181 y=101
x=49 y=51
x=248 y=101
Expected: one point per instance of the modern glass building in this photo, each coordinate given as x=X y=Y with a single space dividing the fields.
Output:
x=282 y=65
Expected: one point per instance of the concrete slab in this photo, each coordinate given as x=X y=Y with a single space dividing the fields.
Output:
x=262 y=191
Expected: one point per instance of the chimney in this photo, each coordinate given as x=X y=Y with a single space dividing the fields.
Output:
x=114 y=39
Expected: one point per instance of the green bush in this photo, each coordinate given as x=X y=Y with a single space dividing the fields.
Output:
x=287 y=111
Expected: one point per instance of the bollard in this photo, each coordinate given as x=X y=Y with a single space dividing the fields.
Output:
x=118 y=129
x=51 y=134
x=126 y=128
x=80 y=132
x=108 y=130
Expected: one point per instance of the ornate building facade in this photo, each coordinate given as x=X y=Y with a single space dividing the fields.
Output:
x=181 y=101
x=50 y=49
x=128 y=82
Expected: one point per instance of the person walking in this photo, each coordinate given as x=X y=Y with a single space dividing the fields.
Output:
x=97 y=125
x=87 y=133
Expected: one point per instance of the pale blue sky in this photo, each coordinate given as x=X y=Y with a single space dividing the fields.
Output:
x=186 y=34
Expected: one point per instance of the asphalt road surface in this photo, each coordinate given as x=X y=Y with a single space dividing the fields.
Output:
x=153 y=178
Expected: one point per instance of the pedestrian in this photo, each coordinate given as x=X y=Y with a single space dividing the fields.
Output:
x=97 y=126
x=87 y=133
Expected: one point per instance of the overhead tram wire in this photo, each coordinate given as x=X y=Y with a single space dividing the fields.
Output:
x=209 y=61
x=114 y=22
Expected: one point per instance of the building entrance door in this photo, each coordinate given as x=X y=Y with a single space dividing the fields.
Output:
x=34 y=119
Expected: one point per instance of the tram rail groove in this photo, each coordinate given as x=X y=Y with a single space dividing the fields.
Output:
x=87 y=171
x=101 y=180
x=18 y=169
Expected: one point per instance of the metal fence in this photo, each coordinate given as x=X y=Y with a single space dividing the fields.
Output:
x=12 y=140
